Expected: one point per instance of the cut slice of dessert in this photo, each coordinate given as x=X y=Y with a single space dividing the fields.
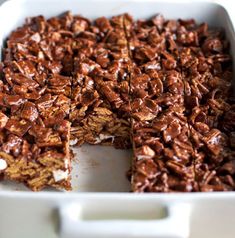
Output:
x=100 y=104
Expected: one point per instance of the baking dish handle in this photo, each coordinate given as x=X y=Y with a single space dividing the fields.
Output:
x=175 y=225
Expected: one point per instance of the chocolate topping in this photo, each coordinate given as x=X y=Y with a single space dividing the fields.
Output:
x=163 y=86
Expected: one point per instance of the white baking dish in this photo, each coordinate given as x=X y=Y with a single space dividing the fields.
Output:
x=24 y=214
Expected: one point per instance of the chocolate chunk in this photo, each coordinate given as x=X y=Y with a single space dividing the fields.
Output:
x=18 y=126
x=29 y=111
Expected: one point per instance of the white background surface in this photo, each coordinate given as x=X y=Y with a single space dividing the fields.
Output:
x=230 y=3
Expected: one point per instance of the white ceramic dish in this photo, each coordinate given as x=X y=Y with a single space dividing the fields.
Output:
x=85 y=212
